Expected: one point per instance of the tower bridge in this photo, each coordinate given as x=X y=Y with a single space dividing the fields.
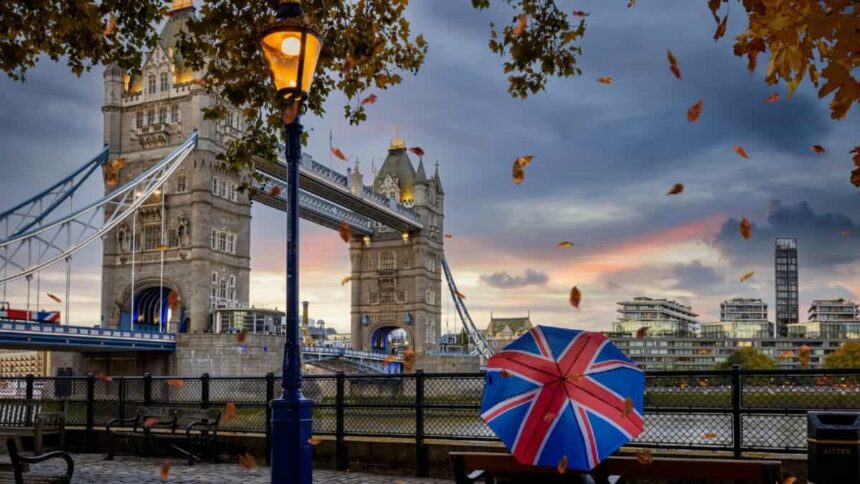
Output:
x=175 y=230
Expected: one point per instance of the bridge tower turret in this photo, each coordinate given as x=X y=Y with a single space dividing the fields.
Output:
x=396 y=277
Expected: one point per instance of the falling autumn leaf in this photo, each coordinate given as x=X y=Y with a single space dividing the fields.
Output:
x=165 y=470
x=549 y=417
x=408 y=360
x=565 y=244
x=54 y=297
x=745 y=228
x=721 y=28
x=247 y=461
x=506 y=374
x=173 y=301
x=175 y=383
x=709 y=436
x=642 y=332
x=817 y=149
x=150 y=422
x=673 y=64
x=645 y=457
x=789 y=480
x=695 y=111
x=786 y=355
x=676 y=189
x=856 y=157
x=110 y=28
x=290 y=113
x=562 y=465
x=746 y=275
x=103 y=378
x=575 y=297
x=229 y=411
x=580 y=13
x=449 y=236
x=199 y=82
x=369 y=100
x=345 y=280
x=628 y=407
x=521 y=25
x=417 y=151
x=740 y=151
x=241 y=336
x=274 y=191
x=518 y=174
x=803 y=355
x=338 y=154
x=845 y=233
x=524 y=161
x=348 y=64
x=344 y=231
x=604 y=80
x=389 y=360
x=772 y=98
x=460 y=294
x=314 y=441
x=631 y=3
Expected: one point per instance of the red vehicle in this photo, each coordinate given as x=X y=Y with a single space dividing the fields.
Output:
x=6 y=312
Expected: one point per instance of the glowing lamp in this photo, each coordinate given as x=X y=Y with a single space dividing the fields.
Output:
x=292 y=48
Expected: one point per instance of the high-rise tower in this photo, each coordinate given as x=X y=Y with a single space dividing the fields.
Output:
x=785 y=262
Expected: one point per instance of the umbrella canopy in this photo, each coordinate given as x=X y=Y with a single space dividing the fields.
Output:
x=561 y=397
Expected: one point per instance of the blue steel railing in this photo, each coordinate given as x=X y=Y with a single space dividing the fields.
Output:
x=52 y=328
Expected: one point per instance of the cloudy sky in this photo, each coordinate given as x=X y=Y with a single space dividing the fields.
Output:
x=604 y=158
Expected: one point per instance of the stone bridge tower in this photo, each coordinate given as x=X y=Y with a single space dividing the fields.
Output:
x=397 y=277
x=205 y=249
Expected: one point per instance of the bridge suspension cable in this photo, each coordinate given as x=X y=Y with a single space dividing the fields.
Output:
x=86 y=225
x=476 y=337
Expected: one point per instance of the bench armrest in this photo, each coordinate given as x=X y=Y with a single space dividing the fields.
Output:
x=18 y=459
x=113 y=421
x=205 y=426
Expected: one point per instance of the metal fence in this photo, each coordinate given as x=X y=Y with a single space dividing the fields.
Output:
x=736 y=410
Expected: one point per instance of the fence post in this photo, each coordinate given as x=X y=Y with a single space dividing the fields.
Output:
x=122 y=397
x=204 y=390
x=420 y=451
x=737 y=432
x=29 y=396
x=91 y=396
x=270 y=395
x=147 y=388
x=340 y=443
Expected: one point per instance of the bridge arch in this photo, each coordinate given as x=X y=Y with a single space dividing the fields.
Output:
x=151 y=306
x=382 y=337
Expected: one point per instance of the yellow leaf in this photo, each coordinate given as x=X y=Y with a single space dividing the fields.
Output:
x=522 y=22
x=746 y=276
x=645 y=457
x=562 y=463
x=565 y=244
x=345 y=280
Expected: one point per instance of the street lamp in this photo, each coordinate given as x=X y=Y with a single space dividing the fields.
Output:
x=292 y=47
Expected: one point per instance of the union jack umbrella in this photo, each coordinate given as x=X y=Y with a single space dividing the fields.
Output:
x=561 y=397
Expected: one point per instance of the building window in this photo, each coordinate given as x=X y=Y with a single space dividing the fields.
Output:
x=164 y=84
x=368 y=262
x=174 y=114
x=151 y=237
x=181 y=183
x=430 y=263
x=151 y=83
x=162 y=115
x=231 y=288
x=139 y=120
x=386 y=290
x=226 y=189
x=150 y=117
x=223 y=241
x=388 y=261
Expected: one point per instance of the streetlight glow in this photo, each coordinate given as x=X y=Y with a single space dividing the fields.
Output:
x=291 y=46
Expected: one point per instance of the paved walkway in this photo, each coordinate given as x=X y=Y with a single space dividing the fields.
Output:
x=89 y=468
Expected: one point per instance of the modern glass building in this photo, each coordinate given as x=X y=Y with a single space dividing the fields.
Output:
x=829 y=318
x=740 y=318
x=662 y=317
x=785 y=265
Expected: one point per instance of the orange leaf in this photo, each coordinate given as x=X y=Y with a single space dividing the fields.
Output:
x=314 y=441
x=803 y=355
x=645 y=457
x=150 y=422
x=110 y=28
x=55 y=298
x=369 y=99
x=338 y=153
x=746 y=275
x=408 y=360
x=247 y=461
x=162 y=248
x=631 y=3
x=199 y=82
x=521 y=24
x=818 y=149
x=628 y=406
x=575 y=297
x=676 y=189
x=604 y=80
x=449 y=236
x=856 y=152
x=348 y=64
x=241 y=336
x=518 y=174
x=745 y=228
x=175 y=383
x=709 y=436
x=524 y=161
x=789 y=480
x=274 y=191
x=104 y=378
x=562 y=465
x=229 y=411
x=721 y=28
x=565 y=244
x=165 y=470
x=460 y=294
x=695 y=111
x=845 y=233
x=642 y=332
x=772 y=98
x=345 y=280
x=344 y=231
x=786 y=355
x=673 y=64
x=417 y=151
x=739 y=150
x=549 y=417
x=580 y=13
x=290 y=113
x=173 y=301
x=506 y=374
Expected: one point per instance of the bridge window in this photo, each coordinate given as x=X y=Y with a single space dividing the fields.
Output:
x=223 y=241
x=430 y=263
x=430 y=297
x=162 y=115
x=174 y=114
x=181 y=183
x=164 y=84
x=139 y=121
x=388 y=261
x=226 y=189
x=150 y=117
x=151 y=236
x=151 y=84
x=386 y=290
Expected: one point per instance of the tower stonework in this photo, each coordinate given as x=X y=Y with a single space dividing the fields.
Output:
x=396 y=277
x=204 y=220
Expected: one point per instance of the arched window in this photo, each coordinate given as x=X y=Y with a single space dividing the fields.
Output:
x=174 y=114
x=164 y=84
x=162 y=115
x=151 y=84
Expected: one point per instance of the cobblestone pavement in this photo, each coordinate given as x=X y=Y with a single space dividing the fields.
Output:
x=89 y=468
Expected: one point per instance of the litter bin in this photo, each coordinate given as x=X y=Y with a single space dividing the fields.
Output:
x=834 y=447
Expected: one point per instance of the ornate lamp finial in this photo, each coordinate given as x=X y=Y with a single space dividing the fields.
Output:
x=397 y=143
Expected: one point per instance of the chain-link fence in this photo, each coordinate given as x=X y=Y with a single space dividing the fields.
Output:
x=736 y=410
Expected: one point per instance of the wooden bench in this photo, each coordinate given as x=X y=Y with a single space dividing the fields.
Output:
x=20 y=467
x=21 y=418
x=191 y=432
x=470 y=467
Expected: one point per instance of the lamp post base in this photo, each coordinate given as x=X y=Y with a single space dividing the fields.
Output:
x=291 y=452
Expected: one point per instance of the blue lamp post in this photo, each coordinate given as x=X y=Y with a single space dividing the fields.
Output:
x=292 y=48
